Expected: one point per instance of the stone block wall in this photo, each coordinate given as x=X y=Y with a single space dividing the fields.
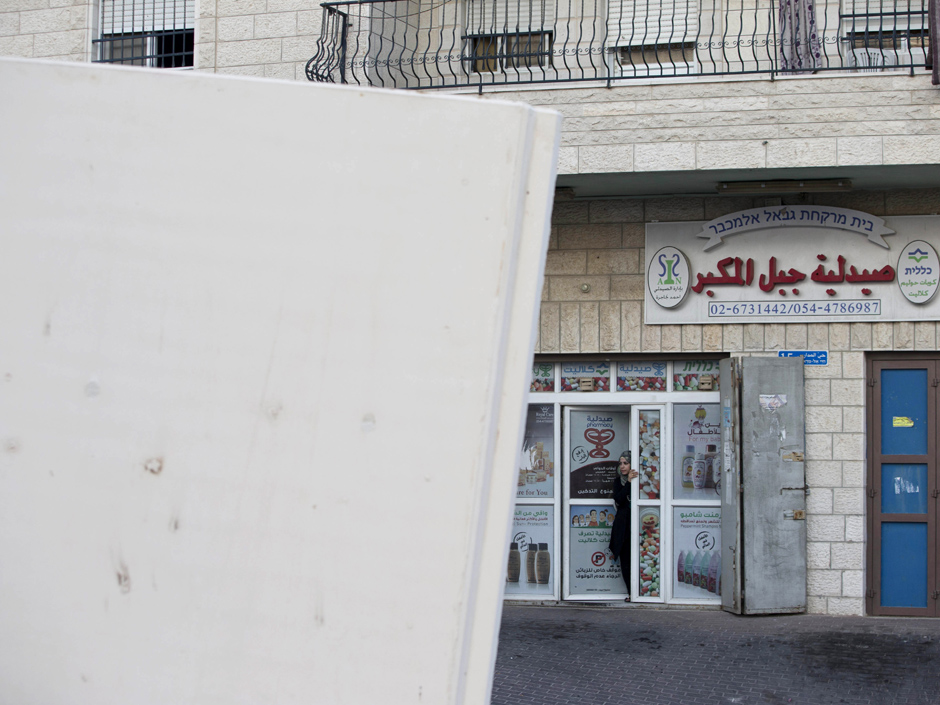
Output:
x=270 y=38
x=265 y=38
x=46 y=29
x=600 y=243
x=744 y=123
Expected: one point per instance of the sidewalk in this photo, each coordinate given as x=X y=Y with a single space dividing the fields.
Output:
x=594 y=655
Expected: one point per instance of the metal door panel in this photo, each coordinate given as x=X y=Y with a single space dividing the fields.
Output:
x=730 y=483
x=773 y=480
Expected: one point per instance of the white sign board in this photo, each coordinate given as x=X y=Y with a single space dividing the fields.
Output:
x=793 y=264
x=208 y=491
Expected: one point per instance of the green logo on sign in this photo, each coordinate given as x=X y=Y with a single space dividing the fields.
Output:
x=917 y=255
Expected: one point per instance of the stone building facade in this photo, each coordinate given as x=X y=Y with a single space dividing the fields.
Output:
x=652 y=151
x=600 y=243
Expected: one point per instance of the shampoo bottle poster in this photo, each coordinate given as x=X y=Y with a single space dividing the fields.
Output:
x=531 y=565
x=697 y=553
x=696 y=462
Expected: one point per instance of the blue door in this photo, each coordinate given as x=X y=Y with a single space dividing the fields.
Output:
x=902 y=487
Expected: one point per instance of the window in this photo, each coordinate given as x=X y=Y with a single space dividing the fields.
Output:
x=164 y=50
x=490 y=53
x=879 y=36
x=654 y=37
x=483 y=53
x=658 y=59
x=156 y=33
x=531 y=49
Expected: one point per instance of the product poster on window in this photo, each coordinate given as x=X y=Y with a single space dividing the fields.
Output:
x=641 y=377
x=537 y=458
x=531 y=551
x=591 y=568
x=696 y=549
x=597 y=438
x=695 y=454
x=543 y=378
x=585 y=377
x=649 y=558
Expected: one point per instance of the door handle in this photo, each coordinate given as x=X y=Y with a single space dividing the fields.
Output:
x=804 y=489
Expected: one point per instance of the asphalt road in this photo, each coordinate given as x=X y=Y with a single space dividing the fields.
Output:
x=595 y=655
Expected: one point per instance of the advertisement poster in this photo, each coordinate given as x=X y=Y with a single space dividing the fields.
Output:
x=648 y=466
x=597 y=439
x=588 y=377
x=696 y=548
x=696 y=376
x=591 y=568
x=532 y=552
x=537 y=458
x=649 y=552
x=543 y=378
x=641 y=377
x=696 y=453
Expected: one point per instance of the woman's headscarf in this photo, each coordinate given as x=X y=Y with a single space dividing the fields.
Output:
x=624 y=478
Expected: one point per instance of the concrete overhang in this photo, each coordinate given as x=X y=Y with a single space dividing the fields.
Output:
x=706 y=182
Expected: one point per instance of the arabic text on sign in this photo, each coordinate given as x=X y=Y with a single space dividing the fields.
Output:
x=810 y=357
x=744 y=276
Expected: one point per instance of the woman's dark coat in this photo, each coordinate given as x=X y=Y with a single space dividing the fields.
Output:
x=621 y=530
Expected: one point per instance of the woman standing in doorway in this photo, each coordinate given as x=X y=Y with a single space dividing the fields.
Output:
x=620 y=534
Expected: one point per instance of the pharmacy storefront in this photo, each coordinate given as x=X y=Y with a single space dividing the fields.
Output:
x=581 y=417
x=793 y=467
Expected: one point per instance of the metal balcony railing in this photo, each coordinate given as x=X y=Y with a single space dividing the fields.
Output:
x=480 y=43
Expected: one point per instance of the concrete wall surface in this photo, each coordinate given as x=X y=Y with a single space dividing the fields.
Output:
x=261 y=397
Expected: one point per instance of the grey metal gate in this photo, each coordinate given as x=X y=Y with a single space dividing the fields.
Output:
x=764 y=486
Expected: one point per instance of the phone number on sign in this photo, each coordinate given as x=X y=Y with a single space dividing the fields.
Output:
x=796 y=308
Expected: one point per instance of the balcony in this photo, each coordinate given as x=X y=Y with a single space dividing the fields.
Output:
x=488 y=43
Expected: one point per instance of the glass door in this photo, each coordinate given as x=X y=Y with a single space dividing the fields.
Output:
x=594 y=438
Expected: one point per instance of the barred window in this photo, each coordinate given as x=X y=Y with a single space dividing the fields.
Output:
x=156 y=33
x=490 y=53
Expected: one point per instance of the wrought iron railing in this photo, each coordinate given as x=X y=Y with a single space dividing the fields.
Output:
x=453 y=43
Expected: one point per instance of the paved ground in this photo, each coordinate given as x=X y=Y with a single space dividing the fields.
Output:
x=594 y=655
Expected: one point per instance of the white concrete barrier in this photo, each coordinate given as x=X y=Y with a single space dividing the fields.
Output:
x=264 y=359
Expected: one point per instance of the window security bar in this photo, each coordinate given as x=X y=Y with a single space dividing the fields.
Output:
x=156 y=33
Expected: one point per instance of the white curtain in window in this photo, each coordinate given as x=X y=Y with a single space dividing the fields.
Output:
x=509 y=16
x=648 y=22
